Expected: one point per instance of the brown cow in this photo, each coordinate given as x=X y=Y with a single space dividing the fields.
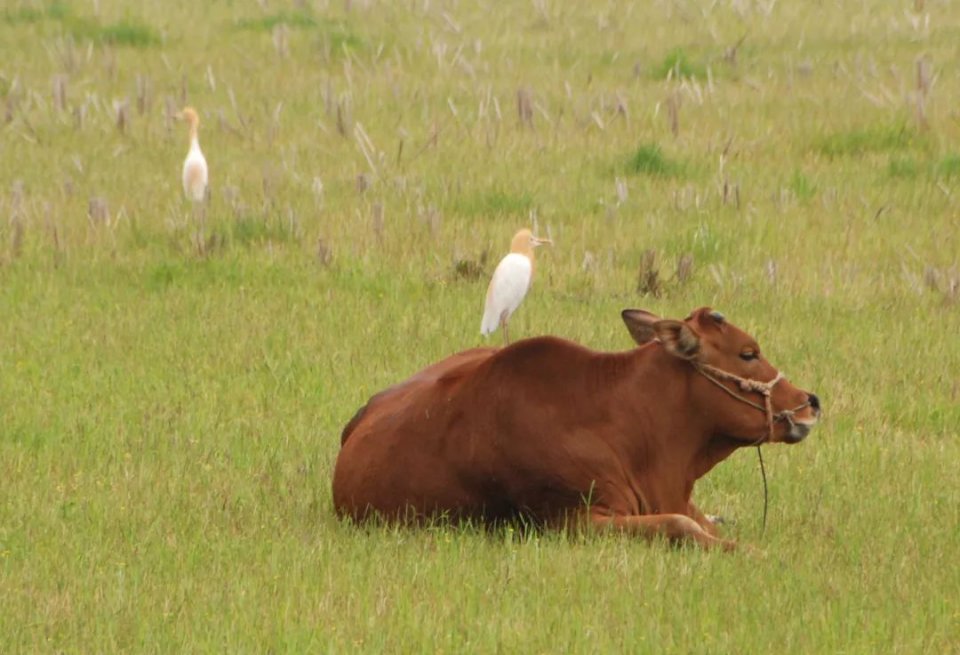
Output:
x=548 y=431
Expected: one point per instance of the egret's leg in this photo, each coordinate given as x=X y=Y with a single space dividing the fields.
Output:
x=504 y=320
x=200 y=218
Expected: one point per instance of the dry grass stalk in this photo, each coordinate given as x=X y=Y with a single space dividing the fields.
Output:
x=211 y=79
x=622 y=109
x=673 y=112
x=16 y=236
x=143 y=94
x=589 y=262
x=621 y=187
x=648 y=275
x=952 y=286
x=430 y=216
x=60 y=92
x=377 y=213
x=54 y=234
x=110 y=63
x=684 y=268
x=771 y=269
x=324 y=253
x=10 y=107
x=16 y=219
x=924 y=80
x=730 y=54
x=525 y=107
x=363 y=182
x=281 y=40
x=367 y=149
x=169 y=112
x=231 y=195
x=317 y=188
x=121 y=110
x=343 y=116
x=268 y=183
x=98 y=212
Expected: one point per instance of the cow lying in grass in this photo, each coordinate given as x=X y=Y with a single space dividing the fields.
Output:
x=550 y=432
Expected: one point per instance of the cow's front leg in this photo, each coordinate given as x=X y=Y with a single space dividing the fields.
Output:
x=675 y=527
x=705 y=522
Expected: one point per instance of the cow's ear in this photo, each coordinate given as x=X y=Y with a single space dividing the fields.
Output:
x=677 y=337
x=640 y=325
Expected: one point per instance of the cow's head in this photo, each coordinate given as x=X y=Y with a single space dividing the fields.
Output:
x=735 y=380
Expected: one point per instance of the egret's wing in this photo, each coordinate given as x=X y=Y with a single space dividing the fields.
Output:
x=509 y=285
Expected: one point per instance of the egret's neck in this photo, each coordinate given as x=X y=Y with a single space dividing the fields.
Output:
x=194 y=138
x=528 y=253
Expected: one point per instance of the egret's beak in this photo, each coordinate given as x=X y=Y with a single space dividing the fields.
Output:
x=538 y=241
x=178 y=115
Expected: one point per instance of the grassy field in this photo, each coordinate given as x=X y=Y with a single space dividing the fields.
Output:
x=169 y=418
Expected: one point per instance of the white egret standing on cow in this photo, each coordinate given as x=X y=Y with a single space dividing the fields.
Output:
x=510 y=283
x=195 y=172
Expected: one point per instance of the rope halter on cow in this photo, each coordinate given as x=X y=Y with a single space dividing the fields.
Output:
x=747 y=385
x=764 y=389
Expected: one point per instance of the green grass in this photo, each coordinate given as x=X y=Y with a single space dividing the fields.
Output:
x=855 y=143
x=648 y=159
x=949 y=166
x=802 y=187
x=124 y=32
x=169 y=420
x=335 y=34
x=903 y=167
x=495 y=202
x=678 y=64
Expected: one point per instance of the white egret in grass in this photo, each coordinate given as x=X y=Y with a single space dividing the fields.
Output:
x=510 y=283
x=195 y=173
x=195 y=165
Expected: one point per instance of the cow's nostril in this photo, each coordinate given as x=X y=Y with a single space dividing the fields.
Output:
x=814 y=401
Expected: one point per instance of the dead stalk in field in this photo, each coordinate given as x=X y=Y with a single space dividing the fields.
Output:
x=377 y=215
x=143 y=94
x=525 y=107
x=60 y=93
x=121 y=111
x=924 y=83
x=673 y=103
x=648 y=275
x=684 y=268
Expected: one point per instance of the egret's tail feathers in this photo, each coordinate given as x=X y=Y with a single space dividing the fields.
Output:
x=490 y=323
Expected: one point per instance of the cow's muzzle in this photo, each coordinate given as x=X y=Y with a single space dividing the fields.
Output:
x=799 y=429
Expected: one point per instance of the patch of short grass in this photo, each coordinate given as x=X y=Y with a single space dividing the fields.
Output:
x=125 y=33
x=297 y=19
x=648 y=159
x=949 y=166
x=801 y=186
x=30 y=14
x=678 y=63
x=858 y=142
x=249 y=229
x=903 y=167
x=334 y=33
x=496 y=201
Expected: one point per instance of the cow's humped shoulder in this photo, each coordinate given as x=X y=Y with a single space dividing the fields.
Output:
x=540 y=354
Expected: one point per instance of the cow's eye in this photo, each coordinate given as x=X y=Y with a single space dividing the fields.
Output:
x=748 y=355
